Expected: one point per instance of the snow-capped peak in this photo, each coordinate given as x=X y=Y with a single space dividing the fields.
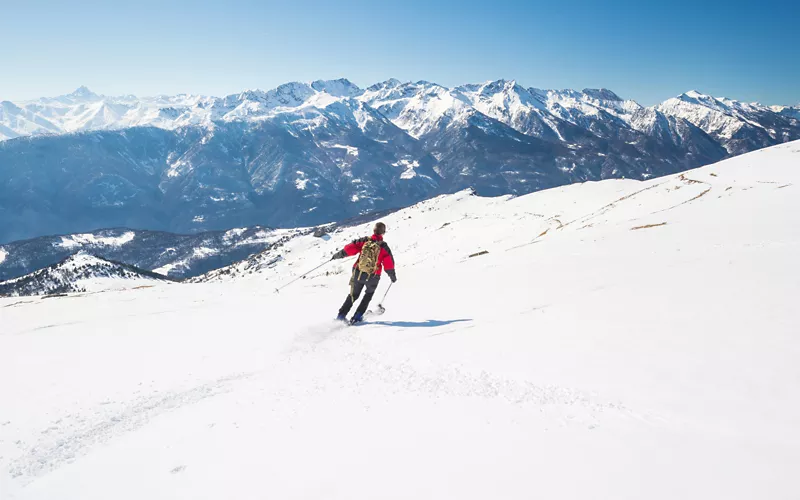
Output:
x=337 y=88
x=388 y=84
x=418 y=107
x=602 y=94
x=414 y=106
x=8 y=107
x=494 y=86
x=290 y=94
x=524 y=110
x=693 y=94
x=83 y=93
x=719 y=117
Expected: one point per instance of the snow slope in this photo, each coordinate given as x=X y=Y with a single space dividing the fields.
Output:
x=620 y=339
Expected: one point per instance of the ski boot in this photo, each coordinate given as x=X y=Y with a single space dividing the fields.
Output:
x=356 y=319
x=342 y=318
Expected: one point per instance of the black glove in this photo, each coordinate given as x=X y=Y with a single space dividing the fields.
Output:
x=392 y=275
x=341 y=254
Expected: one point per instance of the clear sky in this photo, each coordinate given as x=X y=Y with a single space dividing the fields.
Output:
x=648 y=50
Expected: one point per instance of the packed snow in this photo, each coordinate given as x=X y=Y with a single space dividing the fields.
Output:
x=618 y=339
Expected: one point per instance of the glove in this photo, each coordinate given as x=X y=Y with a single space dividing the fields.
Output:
x=341 y=254
x=392 y=275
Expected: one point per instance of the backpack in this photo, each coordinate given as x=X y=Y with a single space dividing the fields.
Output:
x=368 y=261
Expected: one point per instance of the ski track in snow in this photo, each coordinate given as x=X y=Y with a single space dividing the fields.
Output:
x=359 y=372
x=71 y=436
x=338 y=343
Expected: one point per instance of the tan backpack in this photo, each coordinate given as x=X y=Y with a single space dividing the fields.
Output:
x=368 y=261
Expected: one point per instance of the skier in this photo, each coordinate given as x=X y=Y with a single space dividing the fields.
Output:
x=375 y=256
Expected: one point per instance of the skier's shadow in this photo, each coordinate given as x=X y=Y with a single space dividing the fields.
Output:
x=431 y=323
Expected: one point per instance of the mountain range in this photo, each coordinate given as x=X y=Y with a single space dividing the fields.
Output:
x=308 y=153
x=175 y=255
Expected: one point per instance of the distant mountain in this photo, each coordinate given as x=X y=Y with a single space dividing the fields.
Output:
x=80 y=272
x=790 y=111
x=300 y=168
x=309 y=153
x=739 y=127
x=173 y=255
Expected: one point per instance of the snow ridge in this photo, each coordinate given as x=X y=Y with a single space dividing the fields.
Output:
x=417 y=107
x=81 y=272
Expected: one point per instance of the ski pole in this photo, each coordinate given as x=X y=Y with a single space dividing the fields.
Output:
x=385 y=294
x=277 y=290
x=382 y=309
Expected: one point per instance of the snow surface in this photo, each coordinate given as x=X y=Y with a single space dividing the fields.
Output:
x=620 y=339
x=76 y=240
x=3 y=254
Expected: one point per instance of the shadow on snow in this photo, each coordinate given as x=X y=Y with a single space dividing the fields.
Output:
x=431 y=323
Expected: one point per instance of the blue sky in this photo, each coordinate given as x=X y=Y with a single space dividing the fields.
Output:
x=645 y=50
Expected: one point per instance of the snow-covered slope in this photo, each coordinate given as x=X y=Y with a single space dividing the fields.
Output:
x=619 y=339
x=81 y=272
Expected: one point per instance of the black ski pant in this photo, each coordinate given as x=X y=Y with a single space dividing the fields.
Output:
x=358 y=282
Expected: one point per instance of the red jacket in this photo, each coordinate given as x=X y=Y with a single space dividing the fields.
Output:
x=385 y=258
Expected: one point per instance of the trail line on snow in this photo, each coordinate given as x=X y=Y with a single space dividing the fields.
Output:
x=605 y=208
x=72 y=436
x=585 y=218
x=350 y=367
